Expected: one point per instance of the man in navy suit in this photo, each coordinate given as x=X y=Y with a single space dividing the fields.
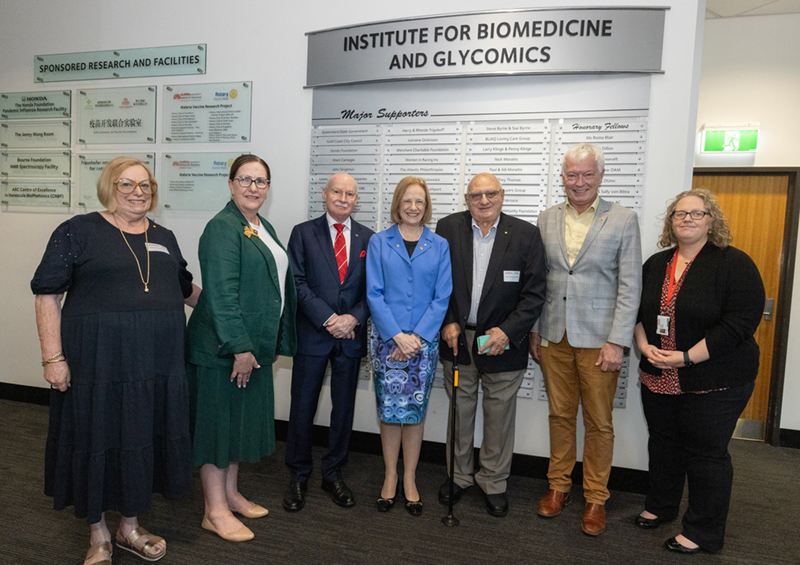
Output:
x=328 y=257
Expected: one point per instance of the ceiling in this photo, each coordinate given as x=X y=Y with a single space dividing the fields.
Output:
x=736 y=8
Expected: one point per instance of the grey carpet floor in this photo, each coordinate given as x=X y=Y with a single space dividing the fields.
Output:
x=762 y=527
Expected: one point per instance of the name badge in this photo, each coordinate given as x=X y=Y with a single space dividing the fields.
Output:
x=510 y=276
x=157 y=247
x=662 y=325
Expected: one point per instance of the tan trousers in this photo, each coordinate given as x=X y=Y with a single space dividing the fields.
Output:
x=570 y=376
x=499 y=417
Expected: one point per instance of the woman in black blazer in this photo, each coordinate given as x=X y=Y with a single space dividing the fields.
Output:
x=702 y=301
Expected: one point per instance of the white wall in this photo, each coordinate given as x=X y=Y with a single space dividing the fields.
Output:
x=751 y=73
x=264 y=42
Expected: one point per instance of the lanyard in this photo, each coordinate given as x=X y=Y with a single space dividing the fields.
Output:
x=672 y=282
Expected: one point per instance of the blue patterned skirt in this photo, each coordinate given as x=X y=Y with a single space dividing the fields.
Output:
x=402 y=388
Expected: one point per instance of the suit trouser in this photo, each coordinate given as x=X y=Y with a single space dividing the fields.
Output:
x=689 y=437
x=499 y=416
x=308 y=373
x=571 y=377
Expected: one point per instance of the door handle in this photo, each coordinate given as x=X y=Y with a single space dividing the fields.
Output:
x=769 y=307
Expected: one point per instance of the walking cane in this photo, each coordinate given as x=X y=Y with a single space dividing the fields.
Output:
x=451 y=520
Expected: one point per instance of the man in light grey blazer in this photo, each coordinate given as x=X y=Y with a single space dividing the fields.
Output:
x=594 y=275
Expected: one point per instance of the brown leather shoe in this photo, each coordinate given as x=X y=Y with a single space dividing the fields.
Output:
x=594 y=519
x=552 y=503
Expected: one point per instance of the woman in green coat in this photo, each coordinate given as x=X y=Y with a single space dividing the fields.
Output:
x=243 y=320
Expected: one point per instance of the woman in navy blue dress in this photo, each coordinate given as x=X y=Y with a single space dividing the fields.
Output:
x=113 y=355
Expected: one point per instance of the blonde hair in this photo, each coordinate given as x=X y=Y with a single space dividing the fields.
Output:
x=400 y=190
x=719 y=233
x=111 y=174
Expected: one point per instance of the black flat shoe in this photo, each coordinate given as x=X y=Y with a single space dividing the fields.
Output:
x=674 y=545
x=386 y=504
x=414 y=507
x=647 y=523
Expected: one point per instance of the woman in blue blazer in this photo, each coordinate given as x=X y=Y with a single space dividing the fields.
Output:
x=408 y=289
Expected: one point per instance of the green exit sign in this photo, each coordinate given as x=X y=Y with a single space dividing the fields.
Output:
x=730 y=141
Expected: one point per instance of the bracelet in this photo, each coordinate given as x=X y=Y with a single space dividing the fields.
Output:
x=686 y=361
x=54 y=359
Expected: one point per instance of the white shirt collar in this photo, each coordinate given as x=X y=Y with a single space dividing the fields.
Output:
x=331 y=221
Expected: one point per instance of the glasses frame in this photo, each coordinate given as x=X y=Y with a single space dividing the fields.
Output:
x=245 y=182
x=691 y=214
x=490 y=195
x=153 y=186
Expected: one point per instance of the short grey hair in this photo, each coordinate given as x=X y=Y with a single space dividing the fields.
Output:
x=580 y=152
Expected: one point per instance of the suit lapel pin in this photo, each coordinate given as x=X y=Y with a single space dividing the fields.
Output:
x=249 y=232
x=363 y=253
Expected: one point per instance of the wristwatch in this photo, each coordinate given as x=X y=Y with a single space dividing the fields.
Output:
x=686 y=361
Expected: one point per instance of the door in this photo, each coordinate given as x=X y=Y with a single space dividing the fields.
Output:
x=755 y=206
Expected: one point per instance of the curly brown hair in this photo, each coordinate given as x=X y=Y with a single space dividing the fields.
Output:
x=719 y=234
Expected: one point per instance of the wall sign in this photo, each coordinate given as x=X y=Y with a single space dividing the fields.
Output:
x=48 y=134
x=47 y=193
x=195 y=181
x=21 y=105
x=529 y=41
x=117 y=115
x=121 y=63
x=39 y=164
x=207 y=113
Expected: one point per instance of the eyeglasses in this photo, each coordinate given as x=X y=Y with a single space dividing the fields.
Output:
x=573 y=177
x=245 y=182
x=127 y=186
x=694 y=214
x=476 y=197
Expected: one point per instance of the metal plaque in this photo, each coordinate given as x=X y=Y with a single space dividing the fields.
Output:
x=49 y=193
x=117 y=115
x=39 y=164
x=208 y=113
x=90 y=165
x=44 y=134
x=525 y=41
x=121 y=63
x=195 y=181
x=21 y=105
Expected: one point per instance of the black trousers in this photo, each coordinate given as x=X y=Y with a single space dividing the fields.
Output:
x=689 y=437
x=308 y=373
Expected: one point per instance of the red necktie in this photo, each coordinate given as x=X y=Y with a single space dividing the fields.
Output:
x=340 y=250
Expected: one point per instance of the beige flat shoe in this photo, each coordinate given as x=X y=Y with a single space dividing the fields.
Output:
x=142 y=543
x=242 y=534
x=255 y=511
x=105 y=548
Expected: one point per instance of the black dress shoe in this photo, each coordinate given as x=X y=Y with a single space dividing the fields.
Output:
x=497 y=504
x=647 y=523
x=295 y=497
x=414 y=507
x=444 y=493
x=386 y=504
x=674 y=545
x=340 y=493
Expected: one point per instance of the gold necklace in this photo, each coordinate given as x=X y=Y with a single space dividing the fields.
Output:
x=146 y=246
